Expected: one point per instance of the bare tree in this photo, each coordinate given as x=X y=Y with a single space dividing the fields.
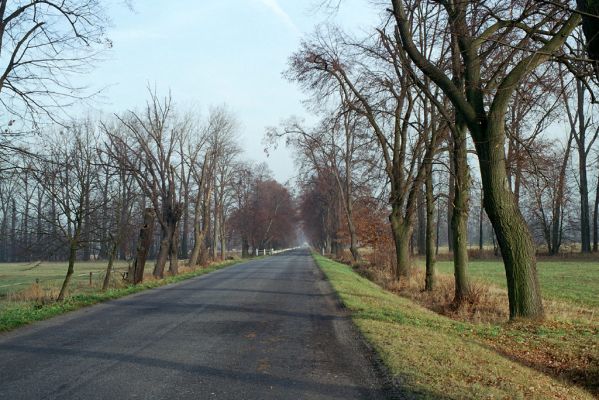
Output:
x=44 y=43
x=147 y=148
x=67 y=176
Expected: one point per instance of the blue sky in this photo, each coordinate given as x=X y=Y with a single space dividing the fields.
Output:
x=213 y=52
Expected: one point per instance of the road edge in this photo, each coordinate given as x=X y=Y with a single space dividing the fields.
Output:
x=391 y=386
x=75 y=305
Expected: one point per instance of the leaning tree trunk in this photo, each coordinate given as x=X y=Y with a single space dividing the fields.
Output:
x=430 y=228
x=146 y=234
x=513 y=235
x=72 y=256
x=459 y=217
x=402 y=232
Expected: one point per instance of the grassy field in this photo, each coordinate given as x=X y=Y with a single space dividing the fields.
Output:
x=17 y=276
x=440 y=358
x=576 y=282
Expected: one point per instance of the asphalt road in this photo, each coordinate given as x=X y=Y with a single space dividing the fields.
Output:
x=265 y=329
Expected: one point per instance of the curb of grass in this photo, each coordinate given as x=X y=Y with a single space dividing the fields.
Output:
x=13 y=317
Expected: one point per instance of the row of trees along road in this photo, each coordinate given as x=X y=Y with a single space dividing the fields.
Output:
x=408 y=102
x=89 y=189
x=84 y=191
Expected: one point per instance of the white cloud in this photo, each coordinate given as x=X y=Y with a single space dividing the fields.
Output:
x=274 y=6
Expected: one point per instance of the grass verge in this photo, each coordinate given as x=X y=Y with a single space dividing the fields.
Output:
x=435 y=357
x=22 y=313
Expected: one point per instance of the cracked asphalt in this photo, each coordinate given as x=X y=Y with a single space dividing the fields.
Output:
x=264 y=329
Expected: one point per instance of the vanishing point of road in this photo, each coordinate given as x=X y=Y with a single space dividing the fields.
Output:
x=264 y=329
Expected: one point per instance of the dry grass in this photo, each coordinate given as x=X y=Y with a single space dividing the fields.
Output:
x=484 y=303
x=35 y=293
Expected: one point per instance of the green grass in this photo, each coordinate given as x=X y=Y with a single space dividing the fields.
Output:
x=438 y=358
x=576 y=282
x=14 y=315
x=17 y=276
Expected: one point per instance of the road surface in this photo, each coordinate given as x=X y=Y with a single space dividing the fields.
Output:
x=265 y=329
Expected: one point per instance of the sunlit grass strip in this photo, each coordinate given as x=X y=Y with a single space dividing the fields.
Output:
x=14 y=316
x=433 y=356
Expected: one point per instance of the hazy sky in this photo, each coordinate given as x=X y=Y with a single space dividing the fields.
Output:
x=209 y=52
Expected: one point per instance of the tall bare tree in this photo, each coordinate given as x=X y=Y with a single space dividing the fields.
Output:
x=146 y=146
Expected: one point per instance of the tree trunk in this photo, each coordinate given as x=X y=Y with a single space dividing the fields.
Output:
x=459 y=218
x=223 y=239
x=173 y=267
x=87 y=246
x=558 y=203
x=67 y=279
x=245 y=247
x=438 y=228
x=111 y=258
x=198 y=248
x=513 y=235
x=585 y=237
x=585 y=227
x=214 y=236
x=185 y=231
x=596 y=220
x=164 y=250
x=430 y=228
x=402 y=232
x=422 y=228
x=146 y=235
x=481 y=238
x=450 y=196
x=13 y=232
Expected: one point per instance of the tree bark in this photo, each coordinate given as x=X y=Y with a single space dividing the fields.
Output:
x=459 y=218
x=402 y=232
x=164 y=250
x=422 y=227
x=585 y=228
x=558 y=203
x=245 y=247
x=450 y=197
x=173 y=267
x=72 y=257
x=481 y=214
x=596 y=219
x=585 y=237
x=513 y=235
x=146 y=235
x=430 y=228
x=111 y=258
